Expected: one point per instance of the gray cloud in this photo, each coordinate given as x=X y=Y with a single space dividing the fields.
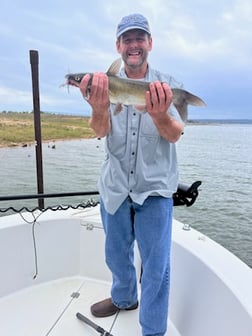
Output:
x=207 y=46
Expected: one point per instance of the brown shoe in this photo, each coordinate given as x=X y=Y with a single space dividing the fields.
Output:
x=106 y=308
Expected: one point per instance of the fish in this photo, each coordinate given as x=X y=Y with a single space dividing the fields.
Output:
x=126 y=91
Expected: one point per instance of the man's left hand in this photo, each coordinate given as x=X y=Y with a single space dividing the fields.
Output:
x=158 y=99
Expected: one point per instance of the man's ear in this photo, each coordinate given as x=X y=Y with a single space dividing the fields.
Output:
x=118 y=46
x=150 y=43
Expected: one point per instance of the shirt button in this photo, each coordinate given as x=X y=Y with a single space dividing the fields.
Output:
x=134 y=133
x=131 y=172
x=133 y=153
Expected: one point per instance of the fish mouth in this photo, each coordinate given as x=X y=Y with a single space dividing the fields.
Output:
x=72 y=82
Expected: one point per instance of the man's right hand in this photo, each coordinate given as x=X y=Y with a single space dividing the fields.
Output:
x=96 y=94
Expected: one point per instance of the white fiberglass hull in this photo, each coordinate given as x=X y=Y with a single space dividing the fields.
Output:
x=210 y=288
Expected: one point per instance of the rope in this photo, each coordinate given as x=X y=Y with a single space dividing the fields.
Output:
x=88 y=204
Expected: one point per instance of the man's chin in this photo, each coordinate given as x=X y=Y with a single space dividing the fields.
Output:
x=134 y=61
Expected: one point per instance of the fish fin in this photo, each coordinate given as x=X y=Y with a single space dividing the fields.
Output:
x=118 y=108
x=114 y=67
x=140 y=108
x=182 y=110
x=194 y=100
x=182 y=98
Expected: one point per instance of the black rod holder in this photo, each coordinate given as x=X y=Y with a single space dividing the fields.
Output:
x=34 y=60
x=51 y=195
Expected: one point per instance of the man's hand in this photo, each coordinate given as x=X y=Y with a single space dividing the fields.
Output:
x=158 y=99
x=96 y=94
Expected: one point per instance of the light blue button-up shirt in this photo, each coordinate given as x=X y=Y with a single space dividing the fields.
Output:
x=139 y=162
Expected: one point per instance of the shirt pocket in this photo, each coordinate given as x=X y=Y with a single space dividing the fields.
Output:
x=117 y=145
x=149 y=138
x=117 y=139
x=148 y=127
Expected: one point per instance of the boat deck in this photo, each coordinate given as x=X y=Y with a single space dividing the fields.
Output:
x=72 y=275
x=51 y=309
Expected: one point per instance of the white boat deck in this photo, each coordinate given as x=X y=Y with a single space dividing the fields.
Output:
x=50 y=309
x=210 y=288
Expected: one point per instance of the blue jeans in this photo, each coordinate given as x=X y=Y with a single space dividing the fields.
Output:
x=150 y=225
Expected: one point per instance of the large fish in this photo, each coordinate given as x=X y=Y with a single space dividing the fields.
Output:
x=125 y=91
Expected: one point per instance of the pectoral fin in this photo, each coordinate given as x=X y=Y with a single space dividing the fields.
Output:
x=118 y=108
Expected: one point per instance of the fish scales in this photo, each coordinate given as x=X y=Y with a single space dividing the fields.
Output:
x=126 y=91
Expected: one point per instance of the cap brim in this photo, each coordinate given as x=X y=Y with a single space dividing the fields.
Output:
x=131 y=28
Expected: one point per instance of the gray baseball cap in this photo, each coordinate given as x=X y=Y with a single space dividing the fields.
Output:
x=132 y=21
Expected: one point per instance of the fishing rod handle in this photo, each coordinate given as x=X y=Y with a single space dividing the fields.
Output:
x=93 y=325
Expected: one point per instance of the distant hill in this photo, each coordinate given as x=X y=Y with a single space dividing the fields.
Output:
x=220 y=121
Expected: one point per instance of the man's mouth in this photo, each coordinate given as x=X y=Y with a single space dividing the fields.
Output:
x=134 y=53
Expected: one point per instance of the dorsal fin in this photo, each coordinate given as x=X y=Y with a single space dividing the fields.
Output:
x=114 y=67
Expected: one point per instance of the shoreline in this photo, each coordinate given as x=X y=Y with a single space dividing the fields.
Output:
x=28 y=143
x=33 y=143
x=17 y=129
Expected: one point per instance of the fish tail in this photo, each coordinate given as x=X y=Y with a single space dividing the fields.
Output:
x=194 y=100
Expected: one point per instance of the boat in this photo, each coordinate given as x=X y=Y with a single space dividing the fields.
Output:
x=53 y=269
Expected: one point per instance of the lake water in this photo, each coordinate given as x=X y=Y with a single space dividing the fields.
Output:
x=218 y=155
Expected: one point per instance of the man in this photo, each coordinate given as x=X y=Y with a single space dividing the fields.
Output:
x=137 y=181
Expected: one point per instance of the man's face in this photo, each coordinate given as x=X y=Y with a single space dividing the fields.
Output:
x=134 y=46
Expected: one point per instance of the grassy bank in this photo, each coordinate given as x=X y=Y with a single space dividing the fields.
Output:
x=18 y=128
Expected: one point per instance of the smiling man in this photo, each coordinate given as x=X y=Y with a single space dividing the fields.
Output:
x=134 y=46
x=138 y=179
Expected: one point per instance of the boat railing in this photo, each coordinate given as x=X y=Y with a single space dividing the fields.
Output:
x=90 y=202
x=185 y=195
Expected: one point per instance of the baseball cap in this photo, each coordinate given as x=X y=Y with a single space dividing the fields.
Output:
x=132 y=21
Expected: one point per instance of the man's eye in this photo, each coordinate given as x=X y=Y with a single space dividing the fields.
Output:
x=138 y=40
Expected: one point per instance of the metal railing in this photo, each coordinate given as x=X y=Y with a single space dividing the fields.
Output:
x=185 y=195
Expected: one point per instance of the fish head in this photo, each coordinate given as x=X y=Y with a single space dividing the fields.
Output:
x=74 y=79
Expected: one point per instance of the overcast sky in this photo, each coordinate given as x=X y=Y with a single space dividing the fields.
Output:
x=205 y=44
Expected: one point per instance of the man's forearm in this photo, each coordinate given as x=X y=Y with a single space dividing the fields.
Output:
x=169 y=128
x=100 y=123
